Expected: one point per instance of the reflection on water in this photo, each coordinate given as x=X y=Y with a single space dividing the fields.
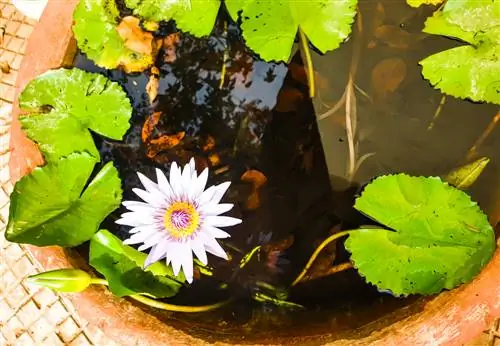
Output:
x=262 y=119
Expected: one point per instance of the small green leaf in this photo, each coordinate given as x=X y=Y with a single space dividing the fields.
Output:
x=463 y=177
x=122 y=266
x=48 y=206
x=194 y=16
x=270 y=27
x=440 y=239
x=95 y=31
x=78 y=101
x=418 y=3
x=471 y=71
x=62 y=280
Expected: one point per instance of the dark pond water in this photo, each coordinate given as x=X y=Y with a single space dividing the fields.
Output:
x=263 y=119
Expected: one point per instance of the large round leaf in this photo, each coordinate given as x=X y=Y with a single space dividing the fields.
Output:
x=97 y=36
x=51 y=207
x=194 y=16
x=440 y=238
x=76 y=101
x=470 y=71
x=270 y=27
x=122 y=266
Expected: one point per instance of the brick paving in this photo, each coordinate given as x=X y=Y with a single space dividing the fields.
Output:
x=30 y=315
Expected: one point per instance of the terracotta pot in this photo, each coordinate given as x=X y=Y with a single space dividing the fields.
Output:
x=452 y=318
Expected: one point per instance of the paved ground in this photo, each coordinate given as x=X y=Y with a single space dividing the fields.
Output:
x=30 y=315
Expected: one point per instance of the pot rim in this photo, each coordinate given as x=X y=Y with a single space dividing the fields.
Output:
x=452 y=318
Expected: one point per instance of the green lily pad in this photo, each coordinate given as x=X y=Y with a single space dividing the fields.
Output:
x=122 y=266
x=66 y=104
x=470 y=71
x=194 y=16
x=440 y=237
x=97 y=36
x=51 y=207
x=270 y=27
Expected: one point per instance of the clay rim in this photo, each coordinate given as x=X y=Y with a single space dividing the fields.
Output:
x=454 y=317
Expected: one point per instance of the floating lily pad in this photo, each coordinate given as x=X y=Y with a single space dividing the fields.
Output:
x=51 y=207
x=95 y=30
x=439 y=238
x=194 y=16
x=470 y=71
x=122 y=266
x=66 y=104
x=270 y=27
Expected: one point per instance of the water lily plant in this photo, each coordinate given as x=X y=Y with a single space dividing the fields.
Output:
x=178 y=218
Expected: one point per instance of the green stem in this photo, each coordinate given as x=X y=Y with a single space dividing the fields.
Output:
x=225 y=59
x=316 y=253
x=249 y=256
x=310 y=70
x=165 y=306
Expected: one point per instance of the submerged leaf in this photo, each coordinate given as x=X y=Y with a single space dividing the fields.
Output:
x=51 y=207
x=471 y=71
x=62 y=280
x=66 y=104
x=122 y=266
x=135 y=38
x=96 y=31
x=194 y=16
x=463 y=177
x=440 y=239
x=270 y=27
x=387 y=75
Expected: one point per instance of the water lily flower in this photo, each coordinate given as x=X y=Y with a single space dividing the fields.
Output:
x=178 y=218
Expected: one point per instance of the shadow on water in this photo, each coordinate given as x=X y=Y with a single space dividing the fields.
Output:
x=262 y=119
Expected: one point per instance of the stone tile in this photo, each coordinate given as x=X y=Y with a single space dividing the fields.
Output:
x=40 y=329
x=53 y=340
x=16 y=63
x=28 y=314
x=13 y=252
x=7 y=92
x=44 y=297
x=57 y=313
x=9 y=280
x=13 y=328
x=9 y=57
x=5 y=311
x=15 y=44
x=80 y=340
x=25 y=340
x=68 y=330
x=16 y=296
x=24 y=31
x=12 y=27
x=8 y=10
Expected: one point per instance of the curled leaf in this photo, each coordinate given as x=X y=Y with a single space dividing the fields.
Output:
x=463 y=177
x=149 y=126
x=163 y=143
x=62 y=280
x=253 y=176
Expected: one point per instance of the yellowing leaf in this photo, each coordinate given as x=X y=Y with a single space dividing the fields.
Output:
x=135 y=38
x=463 y=177
x=418 y=3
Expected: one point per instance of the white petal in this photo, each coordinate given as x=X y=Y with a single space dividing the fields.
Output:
x=148 y=197
x=176 y=264
x=216 y=233
x=141 y=228
x=220 y=190
x=138 y=206
x=212 y=246
x=199 y=250
x=221 y=221
x=146 y=217
x=132 y=222
x=152 y=240
x=216 y=209
x=163 y=183
x=139 y=237
x=186 y=180
x=151 y=187
x=206 y=196
x=156 y=254
x=175 y=179
x=192 y=165
x=187 y=264
x=198 y=184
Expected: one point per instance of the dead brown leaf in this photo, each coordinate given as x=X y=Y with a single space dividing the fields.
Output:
x=153 y=84
x=135 y=38
x=214 y=160
x=209 y=144
x=387 y=76
x=149 y=126
x=170 y=46
x=163 y=143
x=253 y=201
x=395 y=37
x=253 y=176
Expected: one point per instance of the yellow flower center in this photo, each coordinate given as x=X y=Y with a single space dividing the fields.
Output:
x=181 y=219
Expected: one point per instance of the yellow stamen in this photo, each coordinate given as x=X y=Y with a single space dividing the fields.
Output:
x=181 y=219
